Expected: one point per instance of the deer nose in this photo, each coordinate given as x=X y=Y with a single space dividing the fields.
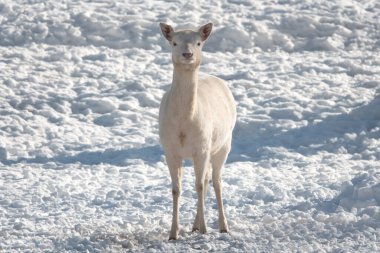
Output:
x=187 y=55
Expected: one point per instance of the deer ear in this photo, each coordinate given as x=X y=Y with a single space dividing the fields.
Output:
x=205 y=31
x=167 y=31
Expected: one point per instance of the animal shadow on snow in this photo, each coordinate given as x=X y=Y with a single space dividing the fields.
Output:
x=150 y=154
x=326 y=135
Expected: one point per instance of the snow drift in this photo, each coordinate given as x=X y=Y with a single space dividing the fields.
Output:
x=81 y=168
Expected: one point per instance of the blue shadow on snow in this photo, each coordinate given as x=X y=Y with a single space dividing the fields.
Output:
x=150 y=154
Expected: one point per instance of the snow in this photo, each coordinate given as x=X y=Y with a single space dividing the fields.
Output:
x=81 y=168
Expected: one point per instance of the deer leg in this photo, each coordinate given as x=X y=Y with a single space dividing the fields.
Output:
x=217 y=163
x=196 y=225
x=175 y=167
x=201 y=166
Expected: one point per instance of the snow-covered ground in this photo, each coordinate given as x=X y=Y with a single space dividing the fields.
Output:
x=81 y=168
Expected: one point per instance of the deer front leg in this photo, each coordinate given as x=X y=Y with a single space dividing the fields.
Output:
x=217 y=182
x=175 y=167
x=217 y=161
x=201 y=166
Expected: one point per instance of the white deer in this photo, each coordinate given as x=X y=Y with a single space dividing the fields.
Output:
x=196 y=119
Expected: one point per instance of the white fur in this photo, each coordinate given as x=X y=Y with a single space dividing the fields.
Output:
x=197 y=116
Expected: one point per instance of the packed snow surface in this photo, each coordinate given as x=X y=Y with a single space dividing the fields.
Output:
x=81 y=167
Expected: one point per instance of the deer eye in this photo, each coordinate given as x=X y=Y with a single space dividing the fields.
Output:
x=199 y=44
x=174 y=44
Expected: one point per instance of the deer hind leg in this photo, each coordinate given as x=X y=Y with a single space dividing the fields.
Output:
x=217 y=161
x=175 y=167
x=196 y=225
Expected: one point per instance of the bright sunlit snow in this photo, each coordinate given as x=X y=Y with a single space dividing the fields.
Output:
x=81 y=167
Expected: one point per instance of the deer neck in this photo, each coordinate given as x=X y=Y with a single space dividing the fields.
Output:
x=184 y=92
